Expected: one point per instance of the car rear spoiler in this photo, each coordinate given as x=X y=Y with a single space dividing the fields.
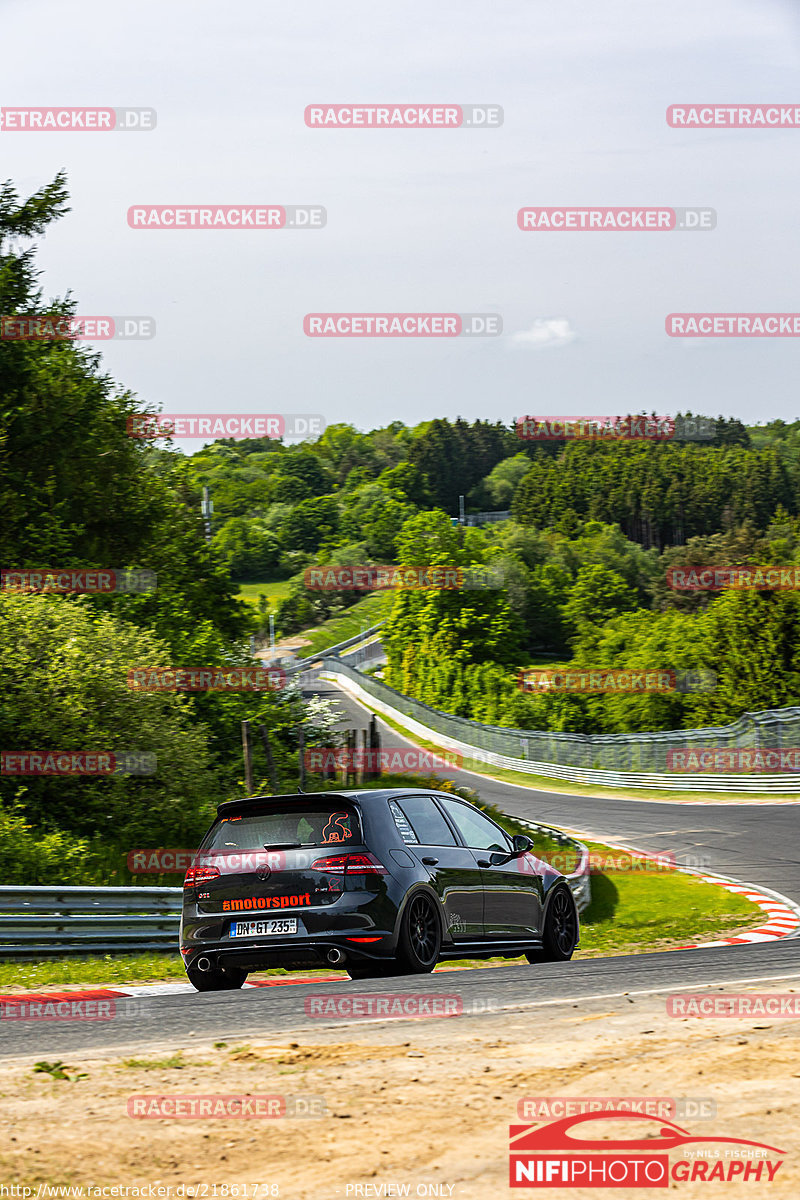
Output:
x=253 y=803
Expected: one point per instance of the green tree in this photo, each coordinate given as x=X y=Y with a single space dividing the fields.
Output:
x=597 y=595
x=75 y=489
x=498 y=488
x=659 y=494
x=376 y=515
x=454 y=457
x=310 y=524
x=752 y=641
x=64 y=680
x=248 y=549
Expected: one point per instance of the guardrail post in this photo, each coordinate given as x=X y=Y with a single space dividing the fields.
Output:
x=364 y=768
x=273 y=777
x=247 y=749
x=301 y=743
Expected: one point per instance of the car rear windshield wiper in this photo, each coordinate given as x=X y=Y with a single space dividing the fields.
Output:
x=282 y=845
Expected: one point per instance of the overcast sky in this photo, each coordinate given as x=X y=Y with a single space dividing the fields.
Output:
x=421 y=220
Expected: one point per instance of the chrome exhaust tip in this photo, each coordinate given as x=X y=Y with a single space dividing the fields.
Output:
x=204 y=964
x=335 y=955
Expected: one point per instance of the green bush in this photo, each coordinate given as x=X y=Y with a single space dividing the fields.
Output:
x=30 y=858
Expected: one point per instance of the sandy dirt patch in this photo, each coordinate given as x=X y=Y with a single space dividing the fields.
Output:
x=422 y=1104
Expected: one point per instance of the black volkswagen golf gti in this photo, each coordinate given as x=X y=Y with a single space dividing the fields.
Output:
x=382 y=882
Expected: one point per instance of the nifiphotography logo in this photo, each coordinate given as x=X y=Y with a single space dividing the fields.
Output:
x=646 y=1152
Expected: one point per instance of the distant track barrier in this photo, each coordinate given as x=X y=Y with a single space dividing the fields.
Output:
x=332 y=651
x=616 y=760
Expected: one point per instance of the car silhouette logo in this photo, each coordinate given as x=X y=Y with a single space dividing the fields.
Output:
x=556 y=1136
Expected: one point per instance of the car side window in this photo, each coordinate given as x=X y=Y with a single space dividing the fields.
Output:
x=478 y=831
x=400 y=820
x=427 y=822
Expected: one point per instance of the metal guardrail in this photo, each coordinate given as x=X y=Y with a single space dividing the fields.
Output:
x=600 y=756
x=372 y=654
x=332 y=651
x=487 y=518
x=41 y=921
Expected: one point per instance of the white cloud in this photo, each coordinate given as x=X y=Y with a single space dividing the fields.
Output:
x=545 y=331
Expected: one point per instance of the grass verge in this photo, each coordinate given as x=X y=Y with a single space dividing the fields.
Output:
x=106 y=969
x=366 y=612
x=636 y=912
x=274 y=589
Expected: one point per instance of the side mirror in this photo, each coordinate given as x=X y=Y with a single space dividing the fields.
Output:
x=521 y=846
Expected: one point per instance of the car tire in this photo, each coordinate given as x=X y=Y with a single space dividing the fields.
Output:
x=220 y=979
x=560 y=934
x=420 y=938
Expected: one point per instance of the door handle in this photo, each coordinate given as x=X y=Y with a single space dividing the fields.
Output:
x=430 y=862
x=484 y=862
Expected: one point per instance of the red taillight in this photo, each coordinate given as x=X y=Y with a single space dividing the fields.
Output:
x=197 y=875
x=334 y=866
x=350 y=864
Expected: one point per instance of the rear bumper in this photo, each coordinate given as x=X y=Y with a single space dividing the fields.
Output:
x=321 y=928
x=307 y=952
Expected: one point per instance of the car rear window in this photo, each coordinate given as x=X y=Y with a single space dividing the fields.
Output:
x=301 y=825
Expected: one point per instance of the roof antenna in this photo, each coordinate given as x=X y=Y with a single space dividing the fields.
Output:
x=300 y=792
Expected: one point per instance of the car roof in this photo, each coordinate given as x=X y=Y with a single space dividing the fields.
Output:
x=357 y=794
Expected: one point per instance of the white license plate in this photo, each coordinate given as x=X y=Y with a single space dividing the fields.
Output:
x=263 y=928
